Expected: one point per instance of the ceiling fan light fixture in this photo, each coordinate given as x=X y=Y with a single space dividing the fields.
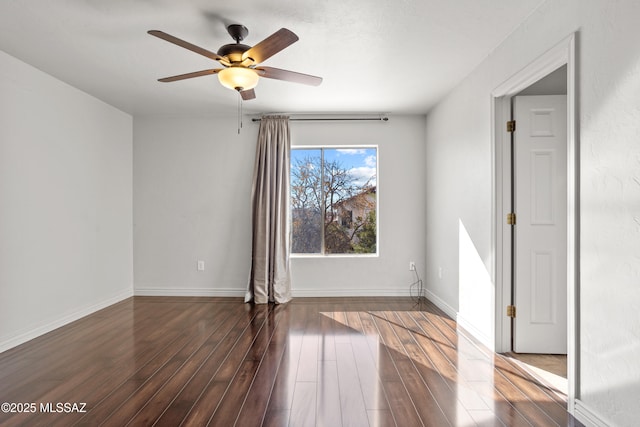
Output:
x=238 y=78
x=240 y=61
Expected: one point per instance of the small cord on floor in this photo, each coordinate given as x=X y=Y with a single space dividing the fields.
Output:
x=416 y=289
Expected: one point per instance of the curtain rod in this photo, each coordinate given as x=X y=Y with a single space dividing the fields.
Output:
x=377 y=119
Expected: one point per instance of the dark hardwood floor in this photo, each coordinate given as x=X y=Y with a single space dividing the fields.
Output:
x=169 y=361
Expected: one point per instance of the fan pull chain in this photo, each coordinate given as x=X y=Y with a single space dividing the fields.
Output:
x=240 y=105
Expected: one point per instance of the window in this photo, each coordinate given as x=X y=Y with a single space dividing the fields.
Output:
x=334 y=200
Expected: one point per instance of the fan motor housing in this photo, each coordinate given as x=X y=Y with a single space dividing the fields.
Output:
x=233 y=51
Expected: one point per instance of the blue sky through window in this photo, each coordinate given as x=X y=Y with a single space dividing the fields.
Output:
x=361 y=162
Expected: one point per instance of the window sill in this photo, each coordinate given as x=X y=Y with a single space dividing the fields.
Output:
x=329 y=256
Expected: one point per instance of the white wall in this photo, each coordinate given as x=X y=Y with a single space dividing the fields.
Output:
x=192 y=191
x=401 y=210
x=459 y=154
x=65 y=203
x=192 y=201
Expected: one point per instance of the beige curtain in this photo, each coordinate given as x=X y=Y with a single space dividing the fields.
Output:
x=270 y=279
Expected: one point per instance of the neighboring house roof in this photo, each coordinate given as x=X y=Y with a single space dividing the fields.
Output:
x=369 y=190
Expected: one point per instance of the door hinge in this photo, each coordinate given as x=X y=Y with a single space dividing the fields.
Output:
x=511 y=311
x=511 y=218
x=511 y=126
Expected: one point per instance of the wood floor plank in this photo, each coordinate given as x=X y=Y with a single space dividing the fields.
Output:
x=522 y=379
x=467 y=396
x=303 y=407
x=203 y=409
x=277 y=418
x=227 y=411
x=352 y=405
x=398 y=393
x=157 y=404
x=167 y=365
x=144 y=380
x=193 y=389
x=328 y=406
x=208 y=403
x=386 y=368
x=169 y=361
x=327 y=344
x=372 y=392
x=520 y=401
x=402 y=409
x=57 y=339
x=255 y=405
x=308 y=363
x=249 y=387
x=281 y=399
x=442 y=395
x=380 y=418
x=499 y=405
x=52 y=363
x=230 y=366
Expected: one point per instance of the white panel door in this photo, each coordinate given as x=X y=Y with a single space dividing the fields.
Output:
x=540 y=245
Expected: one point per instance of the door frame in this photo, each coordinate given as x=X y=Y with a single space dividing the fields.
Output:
x=561 y=54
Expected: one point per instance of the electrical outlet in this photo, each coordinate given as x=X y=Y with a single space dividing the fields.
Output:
x=200 y=265
x=412 y=266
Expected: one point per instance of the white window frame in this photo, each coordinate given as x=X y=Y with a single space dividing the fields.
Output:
x=322 y=253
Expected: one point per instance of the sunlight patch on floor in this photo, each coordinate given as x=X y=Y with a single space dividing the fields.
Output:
x=555 y=382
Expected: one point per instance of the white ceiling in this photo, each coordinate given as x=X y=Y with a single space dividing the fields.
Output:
x=376 y=56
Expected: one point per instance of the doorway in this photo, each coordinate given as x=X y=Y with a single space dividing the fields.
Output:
x=562 y=55
x=538 y=261
x=539 y=229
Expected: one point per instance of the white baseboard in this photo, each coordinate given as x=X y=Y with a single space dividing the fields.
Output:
x=587 y=416
x=462 y=322
x=8 y=343
x=475 y=332
x=441 y=304
x=302 y=293
x=189 y=292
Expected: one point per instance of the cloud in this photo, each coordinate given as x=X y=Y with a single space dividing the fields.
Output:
x=351 y=151
x=364 y=175
x=370 y=161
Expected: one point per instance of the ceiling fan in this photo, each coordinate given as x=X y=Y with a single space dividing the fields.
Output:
x=241 y=70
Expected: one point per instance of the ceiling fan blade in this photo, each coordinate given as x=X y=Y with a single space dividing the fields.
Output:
x=248 y=94
x=184 y=44
x=271 y=45
x=289 y=76
x=189 y=75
